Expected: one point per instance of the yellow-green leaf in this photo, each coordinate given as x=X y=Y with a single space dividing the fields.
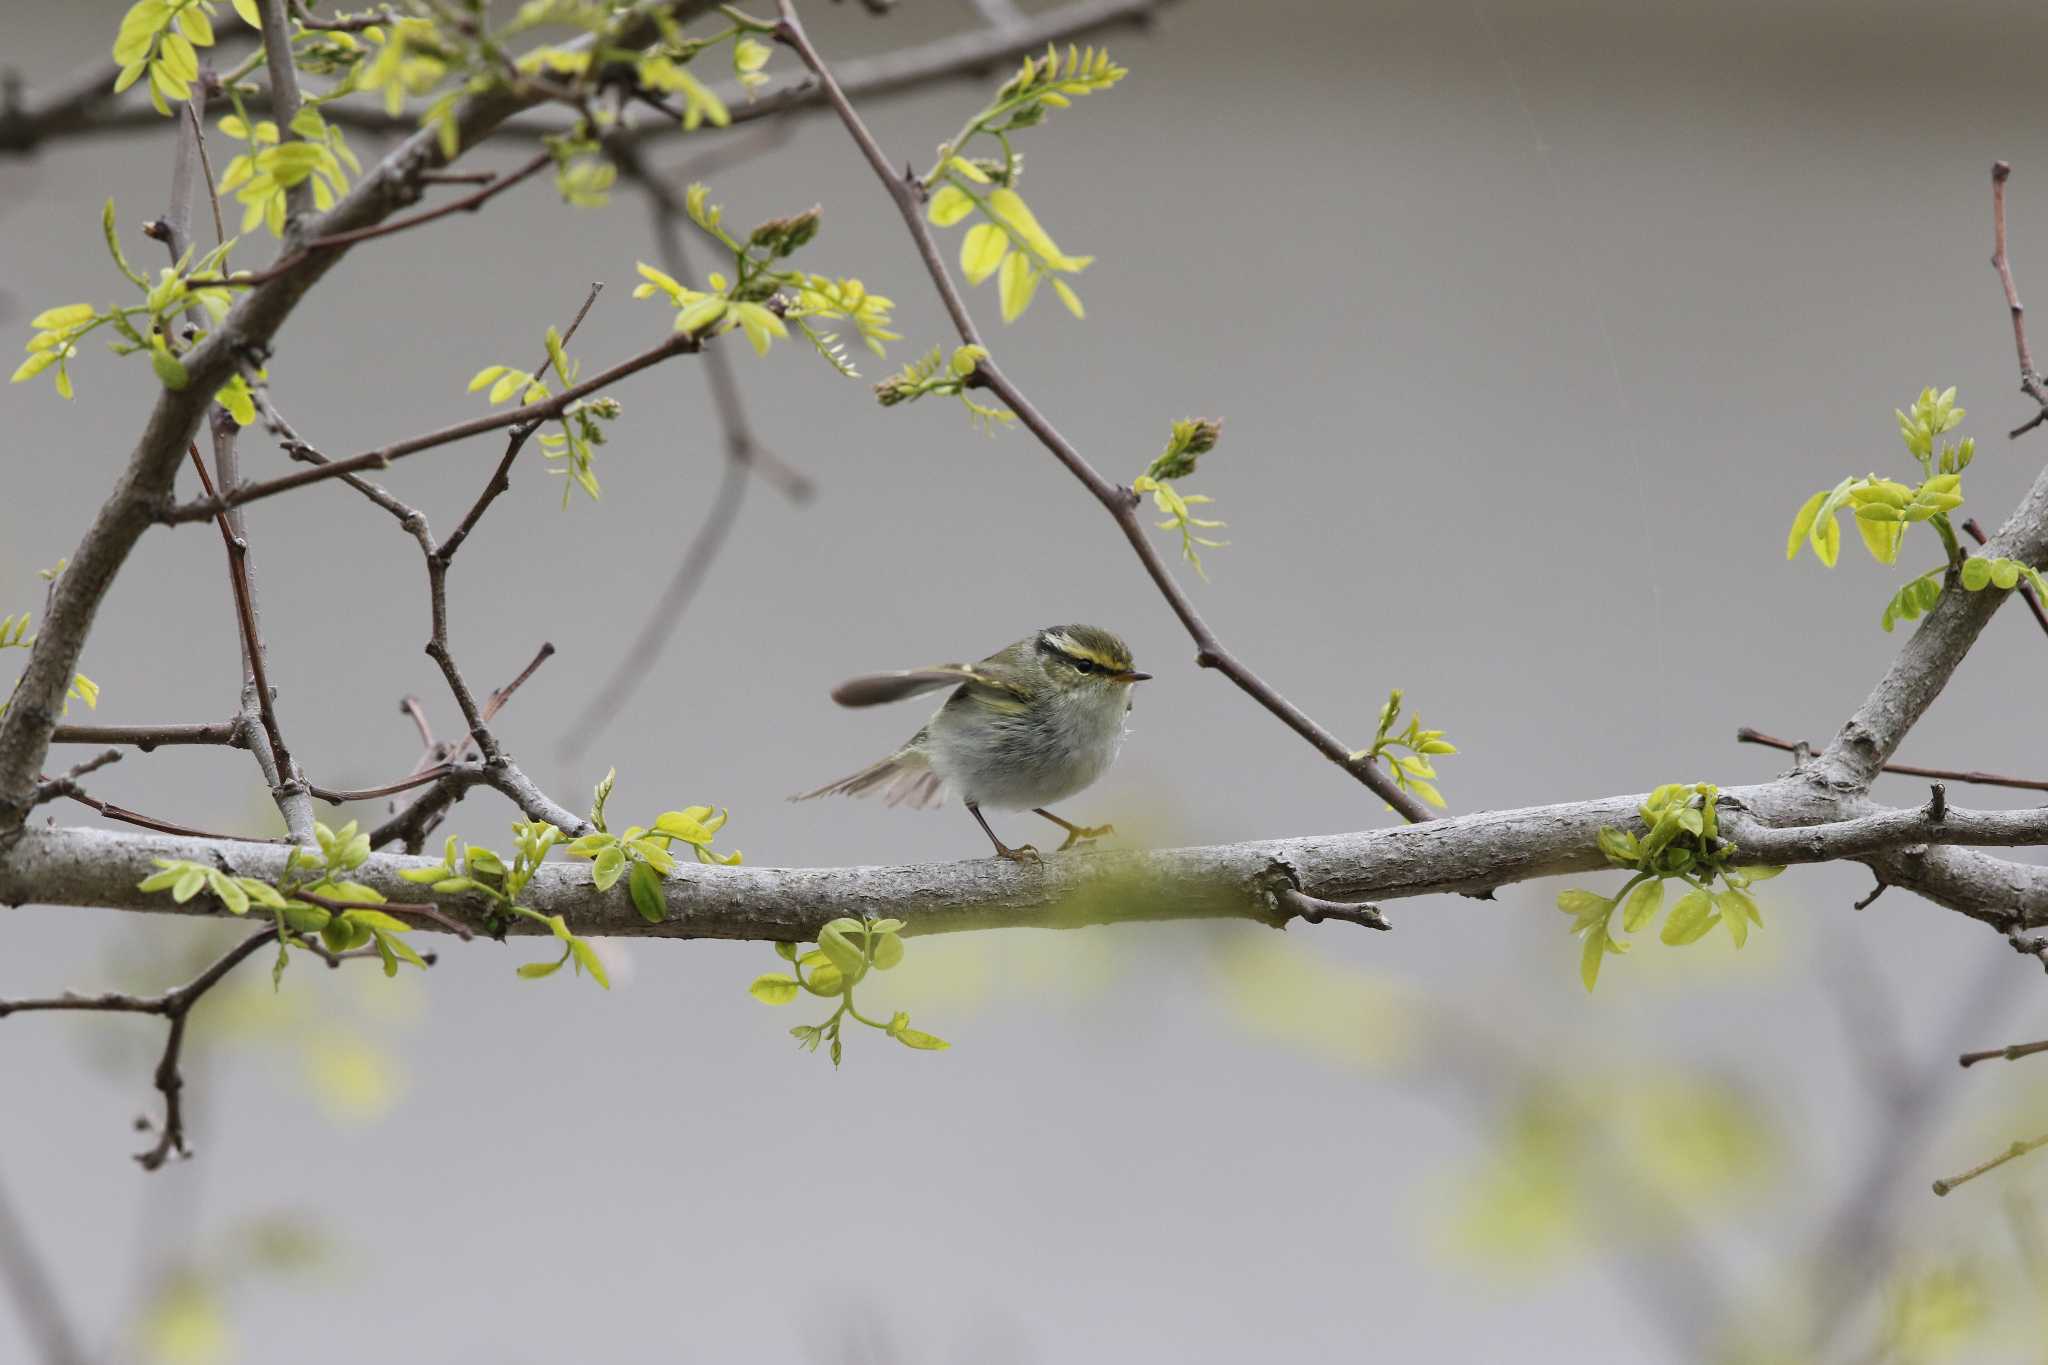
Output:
x=949 y=206
x=981 y=251
x=1017 y=283
x=774 y=988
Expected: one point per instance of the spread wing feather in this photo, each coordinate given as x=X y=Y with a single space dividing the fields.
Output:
x=874 y=689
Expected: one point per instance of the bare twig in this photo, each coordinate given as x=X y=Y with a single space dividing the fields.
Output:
x=2017 y=1150
x=335 y=241
x=419 y=779
x=2010 y=1054
x=66 y=784
x=203 y=509
x=141 y=821
x=1120 y=502
x=287 y=786
x=1747 y=735
x=2030 y=378
x=176 y=1006
x=147 y=737
x=1315 y=911
x=192 y=109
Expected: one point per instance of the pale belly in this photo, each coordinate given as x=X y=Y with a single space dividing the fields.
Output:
x=1009 y=765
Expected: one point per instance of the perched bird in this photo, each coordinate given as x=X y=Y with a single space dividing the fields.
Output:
x=1025 y=727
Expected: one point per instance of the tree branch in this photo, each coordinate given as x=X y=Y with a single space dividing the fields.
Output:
x=1748 y=735
x=2010 y=1054
x=1790 y=821
x=147 y=737
x=176 y=1006
x=144 y=484
x=203 y=509
x=2030 y=378
x=1121 y=503
x=86 y=107
x=262 y=734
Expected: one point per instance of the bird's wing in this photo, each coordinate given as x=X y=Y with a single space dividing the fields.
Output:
x=873 y=689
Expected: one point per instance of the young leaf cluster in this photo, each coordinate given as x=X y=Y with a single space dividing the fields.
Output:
x=261 y=177
x=948 y=376
x=1883 y=508
x=474 y=870
x=321 y=872
x=847 y=950
x=156 y=325
x=1008 y=241
x=1681 y=842
x=643 y=854
x=571 y=449
x=1191 y=439
x=161 y=38
x=753 y=297
x=1412 y=772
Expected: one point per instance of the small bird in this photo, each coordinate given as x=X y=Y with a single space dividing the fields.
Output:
x=1025 y=727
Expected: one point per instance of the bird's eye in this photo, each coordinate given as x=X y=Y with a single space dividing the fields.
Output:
x=1083 y=666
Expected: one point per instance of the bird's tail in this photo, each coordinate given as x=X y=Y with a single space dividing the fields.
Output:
x=904 y=778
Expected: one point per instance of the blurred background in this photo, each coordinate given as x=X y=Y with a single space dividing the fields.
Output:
x=1532 y=325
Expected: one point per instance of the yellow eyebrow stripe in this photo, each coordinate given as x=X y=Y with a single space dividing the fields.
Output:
x=1067 y=645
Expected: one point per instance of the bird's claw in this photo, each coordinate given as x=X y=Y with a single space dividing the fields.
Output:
x=1023 y=853
x=1086 y=834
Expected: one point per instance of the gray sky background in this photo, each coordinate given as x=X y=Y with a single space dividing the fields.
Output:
x=1532 y=325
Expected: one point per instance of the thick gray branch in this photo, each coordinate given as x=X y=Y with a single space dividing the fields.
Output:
x=1932 y=655
x=1246 y=881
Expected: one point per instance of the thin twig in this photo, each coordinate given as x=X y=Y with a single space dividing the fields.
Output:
x=192 y=109
x=2017 y=1150
x=175 y=1006
x=203 y=509
x=141 y=821
x=421 y=908
x=1749 y=735
x=420 y=779
x=1315 y=910
x=2030 y=378
x=334 y=241
x=2010 y=1054
x=147 y=737
x=286 y=784
x=1120 y=502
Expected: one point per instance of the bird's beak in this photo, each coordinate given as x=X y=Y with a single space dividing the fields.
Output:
x=1130 y=676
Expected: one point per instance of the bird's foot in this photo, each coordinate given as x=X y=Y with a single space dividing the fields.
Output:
x=1085 y=834
x=1023 y=853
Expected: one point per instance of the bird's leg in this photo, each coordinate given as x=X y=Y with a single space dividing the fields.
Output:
x=1076 y=834
x=1023 y=853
